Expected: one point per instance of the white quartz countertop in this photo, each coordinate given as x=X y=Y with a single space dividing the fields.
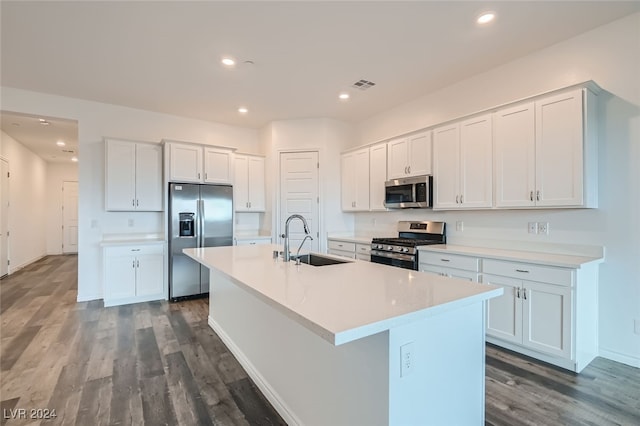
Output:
x=343 y=302
x=549 y=259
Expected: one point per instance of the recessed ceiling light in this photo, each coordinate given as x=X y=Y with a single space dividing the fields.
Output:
x=74 y=159
x=228 y=62
x=486 y=17
x=243 y=110
x=42 y=120
x=344 y=96
x=60 y=143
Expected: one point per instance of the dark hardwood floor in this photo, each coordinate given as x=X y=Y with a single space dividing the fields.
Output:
x=159 y=363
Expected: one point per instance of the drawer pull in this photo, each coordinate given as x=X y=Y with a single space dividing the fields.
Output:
x=445 y=260
x=135 y=249
x=522 y=270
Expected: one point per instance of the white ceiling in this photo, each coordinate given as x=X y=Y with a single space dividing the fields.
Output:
x=165 y=56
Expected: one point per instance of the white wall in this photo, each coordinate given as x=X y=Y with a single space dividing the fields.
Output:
x=27 y=218
x=609 y=55
x=57 y=173
x=327 y=136
x=95 y=121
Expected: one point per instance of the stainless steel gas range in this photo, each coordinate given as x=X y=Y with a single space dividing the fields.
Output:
x=403 y=250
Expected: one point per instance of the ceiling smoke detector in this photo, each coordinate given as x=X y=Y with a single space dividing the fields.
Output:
x=363 y=84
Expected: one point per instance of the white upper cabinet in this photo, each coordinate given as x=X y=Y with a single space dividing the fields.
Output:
x=133 y=180
x=199 y=163
x=218 y=164
x=545 y=152
x=185 y=163
x=462 y=157
x=377 y=176
x=409 y=156
x=249 y=185
x=355 y=180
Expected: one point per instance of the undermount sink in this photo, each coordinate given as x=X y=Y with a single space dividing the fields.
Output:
x=319 y=260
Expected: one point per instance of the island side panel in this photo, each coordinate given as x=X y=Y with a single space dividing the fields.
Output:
x=307 y=379
x=445 y=384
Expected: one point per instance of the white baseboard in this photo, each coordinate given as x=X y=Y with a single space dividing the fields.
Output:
x=88 y=297
x=622 y=358
x=266 y=389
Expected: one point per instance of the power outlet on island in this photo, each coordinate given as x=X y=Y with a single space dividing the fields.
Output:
x=406 y=359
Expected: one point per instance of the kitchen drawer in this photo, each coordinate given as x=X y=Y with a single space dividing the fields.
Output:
x=342 y=245
x=364 y=249
x=529 y=271
x=468 y=263
x=135 y=250
x=362 y=256
x=349 y=254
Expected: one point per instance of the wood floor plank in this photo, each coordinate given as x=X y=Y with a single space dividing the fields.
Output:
x=126 y=403
x=160 y=363
x=157 y=408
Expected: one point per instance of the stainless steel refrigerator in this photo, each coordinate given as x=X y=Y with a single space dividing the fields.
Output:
x=199 y=216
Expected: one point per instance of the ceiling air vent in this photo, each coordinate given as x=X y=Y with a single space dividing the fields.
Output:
x=363 y=84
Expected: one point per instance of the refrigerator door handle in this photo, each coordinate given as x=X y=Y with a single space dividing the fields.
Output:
x=201 y=220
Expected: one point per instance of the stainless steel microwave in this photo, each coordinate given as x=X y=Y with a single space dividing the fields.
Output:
x=409 y=193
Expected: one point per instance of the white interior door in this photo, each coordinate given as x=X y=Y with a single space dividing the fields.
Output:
x=4 y=218
x=299 y=194
x=69 y=217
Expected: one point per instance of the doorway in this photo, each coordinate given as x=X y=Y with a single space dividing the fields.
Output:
x=299 y=194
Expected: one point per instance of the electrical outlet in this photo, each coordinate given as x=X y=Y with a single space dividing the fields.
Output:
x=543 y=228
x=459 y=226
x=636 y=326
x=406 y=359
x=532 y=227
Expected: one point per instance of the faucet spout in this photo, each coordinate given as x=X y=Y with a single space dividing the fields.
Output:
x=287 y=255
x=300 y=246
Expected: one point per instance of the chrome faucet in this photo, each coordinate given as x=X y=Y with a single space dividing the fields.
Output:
x=287 y=255
x=300 y=246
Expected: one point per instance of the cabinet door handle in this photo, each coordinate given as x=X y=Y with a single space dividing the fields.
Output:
x=133 y=263
x=206 y=176
x=137 y=202
x=460 y=198
x=135 y=249
x=457 y=199
x=524 y=293
x=133 y=202
x=518 y=293
x=137 y=263
x=198 y=175
x=445 y=260
x=524 y=271
x=531 y=195
x=409 y=169
x=538 y=195
x=249 y=204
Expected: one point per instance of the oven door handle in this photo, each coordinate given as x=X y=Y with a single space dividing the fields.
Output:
x=398 y=256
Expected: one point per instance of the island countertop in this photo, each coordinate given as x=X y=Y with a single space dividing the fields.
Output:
x=342 y=302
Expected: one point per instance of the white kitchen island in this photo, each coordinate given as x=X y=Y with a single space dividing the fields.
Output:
x=324 y=343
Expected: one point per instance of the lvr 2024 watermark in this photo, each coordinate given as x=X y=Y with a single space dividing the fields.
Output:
x=24 y=413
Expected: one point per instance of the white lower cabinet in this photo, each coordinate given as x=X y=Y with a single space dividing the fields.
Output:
x=133 y=274
x=546 y=312
x=536 y=309
x=450 y=265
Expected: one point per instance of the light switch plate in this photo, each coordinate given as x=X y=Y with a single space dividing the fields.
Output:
x=532 y=227
x=406 y=359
